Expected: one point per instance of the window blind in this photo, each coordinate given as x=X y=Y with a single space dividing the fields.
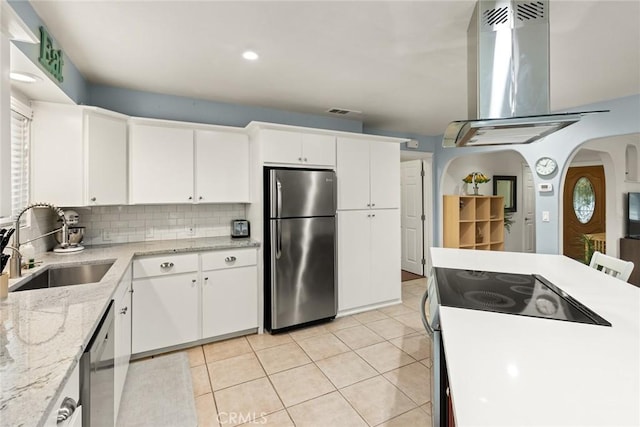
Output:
x=20 y=125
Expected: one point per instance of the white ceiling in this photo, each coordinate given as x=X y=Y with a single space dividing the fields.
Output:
x=403 y=64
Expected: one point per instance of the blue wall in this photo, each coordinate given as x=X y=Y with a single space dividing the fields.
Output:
x=170 y=107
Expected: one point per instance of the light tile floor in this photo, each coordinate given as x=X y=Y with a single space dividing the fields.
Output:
x=369 y=369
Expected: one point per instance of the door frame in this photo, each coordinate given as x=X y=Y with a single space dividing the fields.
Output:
x=427 y=202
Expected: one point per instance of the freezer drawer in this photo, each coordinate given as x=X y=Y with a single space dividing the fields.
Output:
x=303 y=285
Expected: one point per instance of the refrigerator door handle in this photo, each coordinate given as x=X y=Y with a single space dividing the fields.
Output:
x=278 y=239
x=278 y=198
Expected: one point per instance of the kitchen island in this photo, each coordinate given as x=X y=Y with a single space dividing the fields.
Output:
x=508 y=370
x=44 y=332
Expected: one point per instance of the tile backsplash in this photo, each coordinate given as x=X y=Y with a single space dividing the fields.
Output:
x=122 y=224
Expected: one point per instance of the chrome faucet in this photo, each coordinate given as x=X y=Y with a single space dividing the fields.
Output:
x=15 y=265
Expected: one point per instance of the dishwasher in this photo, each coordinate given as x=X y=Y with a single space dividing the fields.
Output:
x=97 y=375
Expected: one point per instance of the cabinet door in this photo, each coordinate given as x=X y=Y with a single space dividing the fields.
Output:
x=318 y=150
x=122 y=329
x=354 y=266
x=281 y=146
x=352 y=161
x=385 y=175
x=106 y=142
x=385 y=255
x=229 y=301
x=57 y=154
x=222 y=167
x=166 y=311
x=161 y=164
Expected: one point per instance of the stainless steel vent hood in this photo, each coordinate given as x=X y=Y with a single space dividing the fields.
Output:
x=508 y=76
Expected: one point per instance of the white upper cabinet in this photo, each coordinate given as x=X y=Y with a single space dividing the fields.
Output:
x=222 y=167
x=181 y=164
x=368 y=174
x=161 y=164
x=78 y=155
x=298 y=148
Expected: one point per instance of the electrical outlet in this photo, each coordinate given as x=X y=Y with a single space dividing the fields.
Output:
x=106 y=235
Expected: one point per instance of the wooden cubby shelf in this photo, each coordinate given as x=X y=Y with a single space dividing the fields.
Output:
x=474 y=222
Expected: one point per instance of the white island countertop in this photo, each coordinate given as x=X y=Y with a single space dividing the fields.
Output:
x=509 y=370
x=44 y=332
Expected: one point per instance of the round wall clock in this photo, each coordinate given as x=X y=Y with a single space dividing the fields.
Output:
x=545 y=166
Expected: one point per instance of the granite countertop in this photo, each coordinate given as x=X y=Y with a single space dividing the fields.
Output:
x=507 y=370
x=44 y=332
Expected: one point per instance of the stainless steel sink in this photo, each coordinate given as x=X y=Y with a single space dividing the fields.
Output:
x=65 y=276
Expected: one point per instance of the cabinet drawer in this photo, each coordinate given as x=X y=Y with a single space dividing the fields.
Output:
x=228 y=259
x=165 y=264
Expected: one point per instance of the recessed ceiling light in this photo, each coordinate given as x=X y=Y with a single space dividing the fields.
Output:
x=249 y=55
x=22 y=77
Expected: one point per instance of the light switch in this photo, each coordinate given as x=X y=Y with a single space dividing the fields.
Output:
x=545 y=216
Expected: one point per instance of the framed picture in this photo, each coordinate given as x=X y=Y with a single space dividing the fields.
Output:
x=506 y=186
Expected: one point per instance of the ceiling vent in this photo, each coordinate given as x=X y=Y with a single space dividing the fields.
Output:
x=343 y=111
x=508 y=77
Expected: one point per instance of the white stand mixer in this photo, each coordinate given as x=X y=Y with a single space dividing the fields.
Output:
x=75 y=234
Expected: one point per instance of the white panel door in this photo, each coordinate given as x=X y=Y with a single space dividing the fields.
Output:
x=229 y=300
x=385 y=255
x=280 y=146
x=161 y=164
x=319 y=150
x=352 y=161
x=354 y=261
x=222 y=167
x=122 y=328
x=529 y=210
x=106 y=142
x=167 y=311
x=411 y=216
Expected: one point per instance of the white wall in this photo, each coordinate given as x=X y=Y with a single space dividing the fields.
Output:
x=506 y=162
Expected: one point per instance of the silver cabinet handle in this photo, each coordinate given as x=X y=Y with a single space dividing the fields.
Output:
x=193 y=280
x=206 y=278
x=93 y=199
x=190 y=197
x=373 y=215
x=299 y=159
x=66 y=409
x=124 y=310
x=368 y=205
x=230 y=259
x=166 y=265
x=373 y=204
x=305 y=159
x=200 y=198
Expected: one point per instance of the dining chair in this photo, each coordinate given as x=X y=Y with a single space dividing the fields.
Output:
x=615 y=267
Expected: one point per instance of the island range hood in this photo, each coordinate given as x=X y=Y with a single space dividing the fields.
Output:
x=508 y=77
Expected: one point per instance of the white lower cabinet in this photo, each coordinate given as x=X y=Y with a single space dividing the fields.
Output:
x=368 y=258
x=229 y=292
x=176 y=301
x=122 y=328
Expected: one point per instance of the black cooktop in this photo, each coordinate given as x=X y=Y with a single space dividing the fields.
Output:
x=521 y=294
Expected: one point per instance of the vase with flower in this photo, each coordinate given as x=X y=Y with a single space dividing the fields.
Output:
x=476 y=178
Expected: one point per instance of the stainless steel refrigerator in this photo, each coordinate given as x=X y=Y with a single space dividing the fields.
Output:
x=300 y=247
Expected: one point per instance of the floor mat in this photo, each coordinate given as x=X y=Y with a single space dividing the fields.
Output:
x=158 y=392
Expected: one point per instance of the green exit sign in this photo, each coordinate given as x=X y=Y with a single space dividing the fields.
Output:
x=50 y=58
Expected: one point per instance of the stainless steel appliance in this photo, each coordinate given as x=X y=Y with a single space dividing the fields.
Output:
x=97 y=375
x=508 y=77
x=72 y=234
x=500 y=292
x=300 y=247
